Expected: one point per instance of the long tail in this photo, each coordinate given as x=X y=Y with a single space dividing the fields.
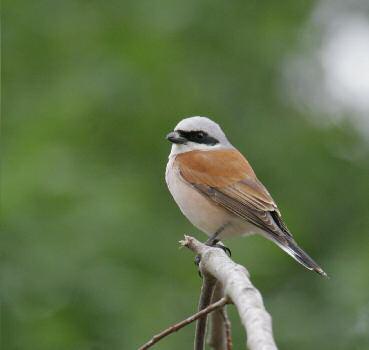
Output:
x=291 y=248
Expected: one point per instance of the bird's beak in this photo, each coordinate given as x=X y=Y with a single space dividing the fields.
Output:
x=175 y=137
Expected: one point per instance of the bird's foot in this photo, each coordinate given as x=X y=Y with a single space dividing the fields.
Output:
x=212 y=243
x=197 y=263
x=215 y=243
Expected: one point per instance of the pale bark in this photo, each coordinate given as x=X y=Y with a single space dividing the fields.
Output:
x=237 y=286
x=176 y=327
x=232 y=285
x=219 y=333
x=206 y=294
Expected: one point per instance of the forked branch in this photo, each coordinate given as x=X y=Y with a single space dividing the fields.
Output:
x=239 y=289
x=176 y=327
x=233 y=285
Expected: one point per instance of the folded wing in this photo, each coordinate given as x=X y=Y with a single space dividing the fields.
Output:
x=227 y=178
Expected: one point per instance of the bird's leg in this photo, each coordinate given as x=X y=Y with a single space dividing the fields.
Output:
x=212 y=241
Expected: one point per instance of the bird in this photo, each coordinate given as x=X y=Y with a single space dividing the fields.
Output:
x=217 y=190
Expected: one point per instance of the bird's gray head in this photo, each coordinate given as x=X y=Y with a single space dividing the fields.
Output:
x=197 y=133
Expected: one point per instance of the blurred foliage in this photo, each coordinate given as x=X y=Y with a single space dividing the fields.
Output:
x=89 y=253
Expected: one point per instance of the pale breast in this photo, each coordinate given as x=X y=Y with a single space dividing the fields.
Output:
x=201 y=211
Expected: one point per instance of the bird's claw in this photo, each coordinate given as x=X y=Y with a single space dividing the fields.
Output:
x=215 y=243
x=197 y=263
x=225 y=249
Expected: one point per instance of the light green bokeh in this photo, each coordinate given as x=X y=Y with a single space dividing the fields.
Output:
x=89 y=253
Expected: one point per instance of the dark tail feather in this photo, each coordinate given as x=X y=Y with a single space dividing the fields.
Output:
x=291 y=248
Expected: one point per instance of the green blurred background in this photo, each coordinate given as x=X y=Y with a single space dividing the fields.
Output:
x=89 y=252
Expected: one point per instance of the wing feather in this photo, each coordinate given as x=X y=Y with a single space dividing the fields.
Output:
x=226 y=177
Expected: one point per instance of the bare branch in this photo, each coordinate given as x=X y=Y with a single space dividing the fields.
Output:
x=205 y=299
x=228 y=329
x=238 y=287
x=174 y=328
x=220 y=327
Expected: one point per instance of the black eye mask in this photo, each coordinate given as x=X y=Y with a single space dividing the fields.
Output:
x=198 y=137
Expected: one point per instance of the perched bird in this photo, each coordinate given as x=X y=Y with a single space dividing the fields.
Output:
x=217 y=190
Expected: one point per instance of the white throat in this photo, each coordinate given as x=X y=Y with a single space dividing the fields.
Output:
x=191 y=146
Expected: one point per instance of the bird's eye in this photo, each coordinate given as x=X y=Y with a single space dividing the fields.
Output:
x=200 y=135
